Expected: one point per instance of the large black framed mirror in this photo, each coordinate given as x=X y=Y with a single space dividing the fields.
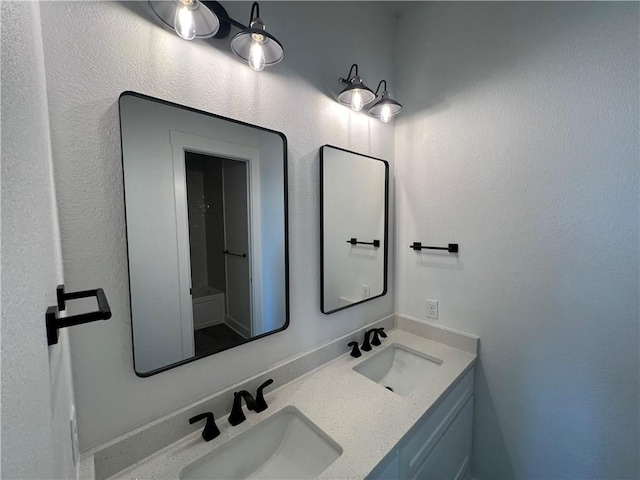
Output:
x=206 y=221
x=354 y=225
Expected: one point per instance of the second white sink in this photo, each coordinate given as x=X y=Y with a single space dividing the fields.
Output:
x=398 y=368
x=286 y=445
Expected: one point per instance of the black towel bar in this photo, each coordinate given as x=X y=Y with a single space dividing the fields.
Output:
x=227 y=252
x=54 y=322
x=354 y=241
x=452 y=248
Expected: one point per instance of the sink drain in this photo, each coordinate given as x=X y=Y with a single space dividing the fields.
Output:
x=389 y=388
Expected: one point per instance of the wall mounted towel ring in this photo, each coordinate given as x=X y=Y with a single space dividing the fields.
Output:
x=54 y=323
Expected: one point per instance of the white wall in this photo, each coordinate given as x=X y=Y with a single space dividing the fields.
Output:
x=93 y=52
x=36 y=379
x=519 y=140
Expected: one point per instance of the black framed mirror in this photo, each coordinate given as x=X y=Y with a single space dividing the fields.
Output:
x=206 y=216
x=354 y=228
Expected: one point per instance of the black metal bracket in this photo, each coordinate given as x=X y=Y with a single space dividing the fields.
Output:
x=349 y=76
x=452 y=248
x=54 y=322
x=227 y=252
x=354 y=241
x=225 y=20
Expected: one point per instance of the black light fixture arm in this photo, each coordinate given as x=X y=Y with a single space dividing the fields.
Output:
x=236 y=24
x=223 y=16
x=350 y=76
x=379 y=85
x=255 y=12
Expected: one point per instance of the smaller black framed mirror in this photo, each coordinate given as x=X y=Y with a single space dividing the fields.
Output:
x=354 y=228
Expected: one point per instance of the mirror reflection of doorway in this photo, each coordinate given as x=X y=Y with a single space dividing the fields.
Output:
x=219 y=233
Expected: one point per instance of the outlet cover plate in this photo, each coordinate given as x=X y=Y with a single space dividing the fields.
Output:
x=432 y=308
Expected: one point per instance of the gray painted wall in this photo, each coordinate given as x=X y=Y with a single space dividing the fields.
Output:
x=36 y=379
x=519 y=140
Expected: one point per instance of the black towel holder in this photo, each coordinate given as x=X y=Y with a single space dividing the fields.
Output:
x=54 y=322
x=227 y=252
x=452 y=248
x=354 y=241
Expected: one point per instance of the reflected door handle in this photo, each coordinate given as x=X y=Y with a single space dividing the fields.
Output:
x=227 y=252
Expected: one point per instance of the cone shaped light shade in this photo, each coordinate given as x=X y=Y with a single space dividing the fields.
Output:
x=356 y=87
x=385 y=108
x=271 y=48
x=205 y=21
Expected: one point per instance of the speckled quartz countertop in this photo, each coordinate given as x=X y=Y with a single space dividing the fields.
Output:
x=363 y=417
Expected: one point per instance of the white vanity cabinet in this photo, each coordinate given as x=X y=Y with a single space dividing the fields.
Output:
x=438 y=446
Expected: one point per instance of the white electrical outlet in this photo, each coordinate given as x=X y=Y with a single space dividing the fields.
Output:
x=432 y=308
x=75 y=448
x=366 y=291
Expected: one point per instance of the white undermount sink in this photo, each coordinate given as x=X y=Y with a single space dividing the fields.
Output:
x=286 y=445
x=399 y=368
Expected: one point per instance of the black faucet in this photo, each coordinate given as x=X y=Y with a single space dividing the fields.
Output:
x=376 y=338
x=261 y=404
x=366 y=345
x=211 y=430
x=355 y=351
x=237 y=415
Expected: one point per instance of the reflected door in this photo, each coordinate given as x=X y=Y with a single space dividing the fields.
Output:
x=237 y=248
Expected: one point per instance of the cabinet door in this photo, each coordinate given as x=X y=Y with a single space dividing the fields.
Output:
x=388 y=469
x=451 y=457
x=427 y=432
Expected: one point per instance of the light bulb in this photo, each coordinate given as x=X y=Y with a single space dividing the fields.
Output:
x=184 y=22
x=385 y=114
x=356 y=101
x=256 y=56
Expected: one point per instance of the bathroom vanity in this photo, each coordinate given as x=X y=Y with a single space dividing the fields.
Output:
x=401 y=410
x=439 y=444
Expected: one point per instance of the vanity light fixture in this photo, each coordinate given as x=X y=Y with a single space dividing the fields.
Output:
x=356 y=94
x=255 y=45
x=386 y=107
x=199 y=19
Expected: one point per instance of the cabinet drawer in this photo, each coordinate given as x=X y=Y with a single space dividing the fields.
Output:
x=429 y=429
x=450 y=458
